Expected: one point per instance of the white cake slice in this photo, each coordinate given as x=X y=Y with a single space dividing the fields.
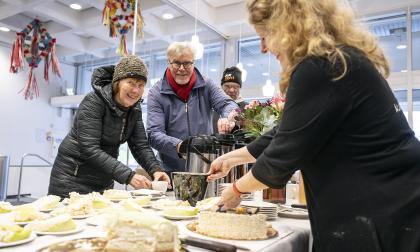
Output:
x=232 y=226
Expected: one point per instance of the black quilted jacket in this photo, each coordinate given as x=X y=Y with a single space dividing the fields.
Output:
x=87 y=157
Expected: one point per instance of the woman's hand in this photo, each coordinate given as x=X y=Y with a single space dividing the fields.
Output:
x=219 y=168
x=162 y=176
x=140 y=181
x=229 y=199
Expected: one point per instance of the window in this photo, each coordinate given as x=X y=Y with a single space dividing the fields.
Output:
x=256 y=64
x=416 y=112
x=391 y=32
x=211 y=63
x=401 y=96
x=415 y=28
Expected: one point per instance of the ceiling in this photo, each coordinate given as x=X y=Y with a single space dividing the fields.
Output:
x=80 y=33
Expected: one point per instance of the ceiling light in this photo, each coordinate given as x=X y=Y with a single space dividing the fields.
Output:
x=265 y=74
x=401 y=47
x=199 y=48
x=75 y=6
x=167 y=16
x=250 y=64
x=213 y=70
x=195 y=40
x=404 y=71
x=5 y=29
x=243 y=71
x=268 y=89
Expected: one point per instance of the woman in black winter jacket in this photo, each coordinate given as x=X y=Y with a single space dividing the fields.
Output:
x=106 y=118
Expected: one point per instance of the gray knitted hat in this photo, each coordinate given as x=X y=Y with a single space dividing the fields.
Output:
x=130 y=67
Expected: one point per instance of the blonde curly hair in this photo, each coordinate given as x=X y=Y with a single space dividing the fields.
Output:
x=302 y=28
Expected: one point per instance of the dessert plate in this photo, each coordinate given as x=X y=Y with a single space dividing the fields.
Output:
x=85 y=244
x=83 y=216
x=22 y=223
x=10 y=244
x=179 y=217
x=78 y=229
x=118 y=200
x=289 y=212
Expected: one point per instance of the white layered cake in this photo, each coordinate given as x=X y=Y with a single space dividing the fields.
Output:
x=232 y=226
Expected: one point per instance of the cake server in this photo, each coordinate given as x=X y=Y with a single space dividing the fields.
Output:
x=211 y=245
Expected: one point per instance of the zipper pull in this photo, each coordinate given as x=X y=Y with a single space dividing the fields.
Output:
x=122 y=129
x=186 y=107
x=76 y=170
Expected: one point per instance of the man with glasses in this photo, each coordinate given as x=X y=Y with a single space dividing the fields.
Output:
x=180 y=105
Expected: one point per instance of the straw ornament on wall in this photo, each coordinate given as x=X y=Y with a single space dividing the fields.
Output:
x=119 y=16
x=33 y=44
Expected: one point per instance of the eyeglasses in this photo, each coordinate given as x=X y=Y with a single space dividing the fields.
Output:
x=186 y=64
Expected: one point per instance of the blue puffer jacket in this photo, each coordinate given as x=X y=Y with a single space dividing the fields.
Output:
x=170 y=120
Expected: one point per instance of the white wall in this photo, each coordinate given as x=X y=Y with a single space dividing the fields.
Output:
x=25 y=124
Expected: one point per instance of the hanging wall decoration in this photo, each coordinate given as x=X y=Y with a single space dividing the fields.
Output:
x=119 y=16
x=34 y=43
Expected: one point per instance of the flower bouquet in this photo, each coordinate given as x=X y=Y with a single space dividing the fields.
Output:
x=260 y=117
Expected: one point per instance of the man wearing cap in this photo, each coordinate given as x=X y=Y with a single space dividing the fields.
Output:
x=231 y=84
x=107 y=117
x=180 y=105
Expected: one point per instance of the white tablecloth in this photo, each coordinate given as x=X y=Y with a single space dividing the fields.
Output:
x=294 y=236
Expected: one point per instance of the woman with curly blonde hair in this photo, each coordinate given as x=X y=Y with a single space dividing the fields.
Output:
x=341 y=126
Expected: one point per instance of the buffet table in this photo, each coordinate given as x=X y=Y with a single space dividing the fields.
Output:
x=293 y=236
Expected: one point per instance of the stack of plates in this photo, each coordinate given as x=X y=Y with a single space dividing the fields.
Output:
x=222 y=186
x=261 y=207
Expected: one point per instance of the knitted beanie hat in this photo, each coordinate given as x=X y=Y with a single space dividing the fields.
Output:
x=130 y=67
x=232 y=74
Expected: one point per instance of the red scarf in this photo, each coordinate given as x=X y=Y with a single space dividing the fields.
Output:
x=183 y=91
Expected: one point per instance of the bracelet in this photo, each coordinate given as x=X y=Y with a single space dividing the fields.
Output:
x=235 y=190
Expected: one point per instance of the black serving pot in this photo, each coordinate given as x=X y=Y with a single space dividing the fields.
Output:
x=189 y=186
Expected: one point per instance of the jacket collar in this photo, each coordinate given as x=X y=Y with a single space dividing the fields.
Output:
x=167 y=89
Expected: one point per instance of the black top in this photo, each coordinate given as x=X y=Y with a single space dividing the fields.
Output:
x=87 y=157
x=359 y=158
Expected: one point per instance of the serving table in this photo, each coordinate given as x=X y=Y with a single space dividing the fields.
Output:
x=293 y=236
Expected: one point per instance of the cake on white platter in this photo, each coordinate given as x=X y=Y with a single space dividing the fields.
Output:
x=232 y=226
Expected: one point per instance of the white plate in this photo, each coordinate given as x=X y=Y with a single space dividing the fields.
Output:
x=146 y=192
x=9 y=244
x=79 y=217
x=145 y=206
x=293 y=213
x=78 y=229
x=179 y=217
x=260 y=204
x=46 y=210
x=22 y=223
x=95 y=221
x=154 y=197
x=118 y=200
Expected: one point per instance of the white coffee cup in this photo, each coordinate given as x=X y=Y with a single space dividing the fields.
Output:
x=161 y=186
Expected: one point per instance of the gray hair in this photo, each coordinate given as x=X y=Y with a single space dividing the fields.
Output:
x=177 y=48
